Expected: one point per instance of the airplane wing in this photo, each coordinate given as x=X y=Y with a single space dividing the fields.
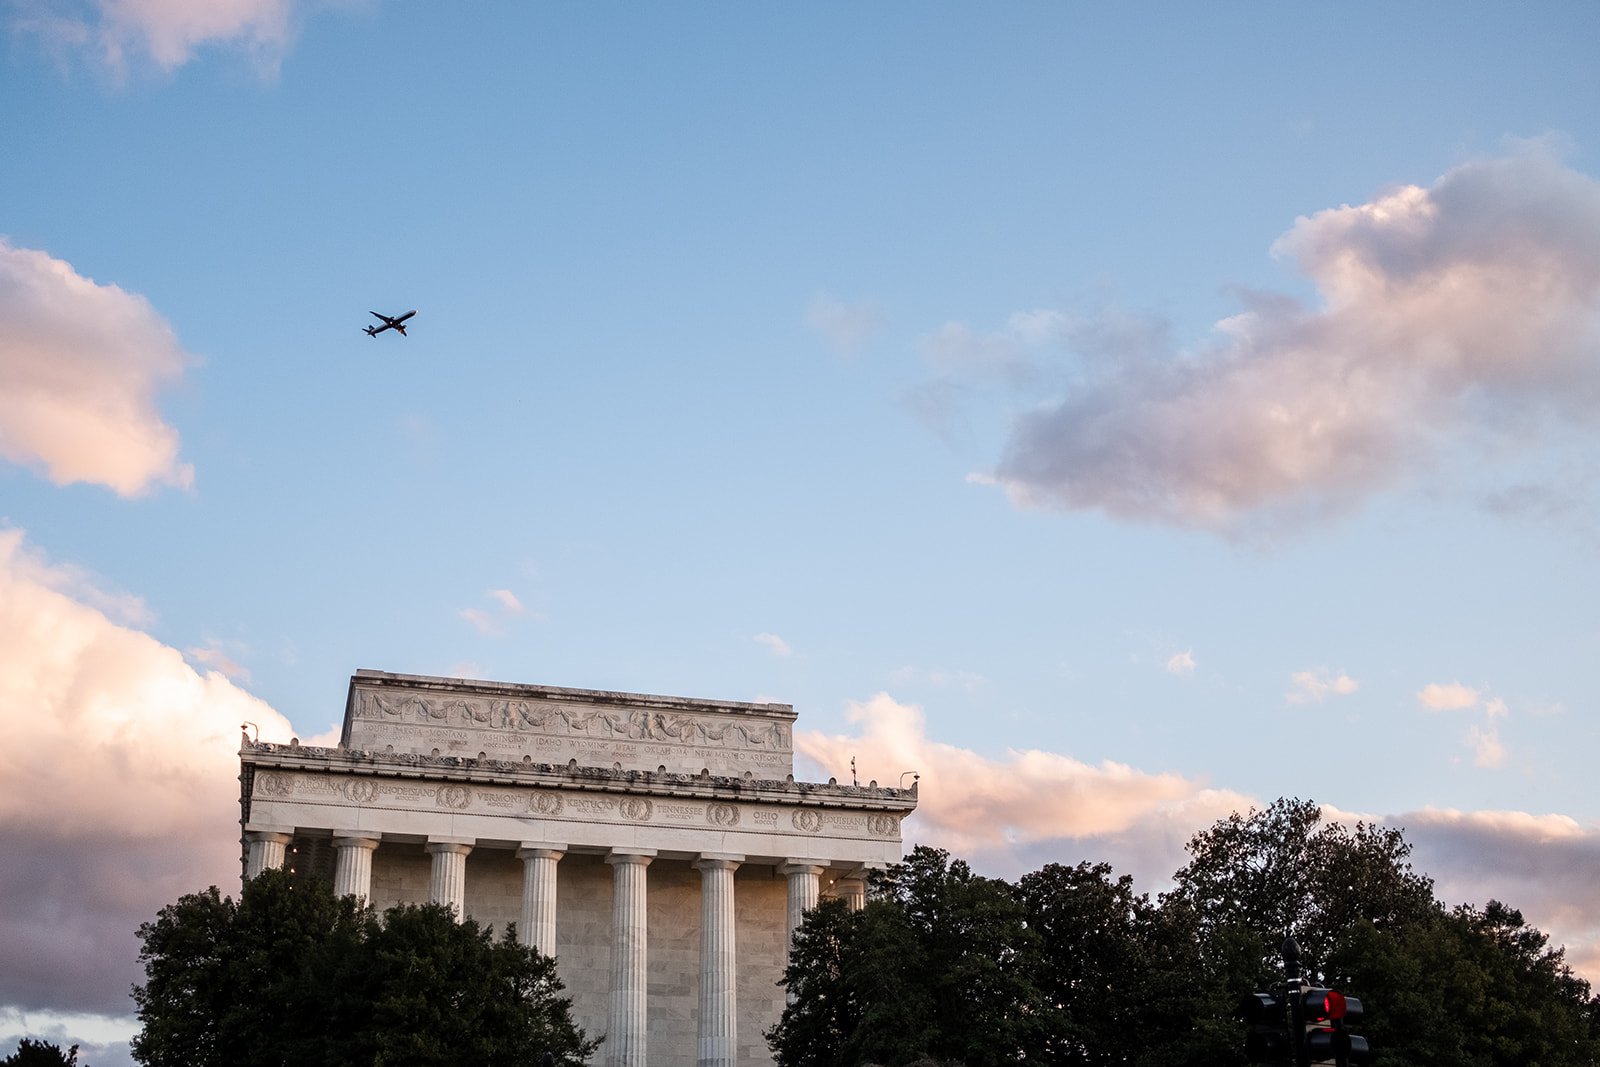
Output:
x=385 y=318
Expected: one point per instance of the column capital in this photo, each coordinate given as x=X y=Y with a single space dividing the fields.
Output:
x=626 y=856
x=458 y=845
x=281 y=835
x=355 y=840
x=717 y=861
x=530 y=851
x=794 y=866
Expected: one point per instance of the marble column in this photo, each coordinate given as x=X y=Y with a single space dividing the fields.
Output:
x=718 y=1039
x=625 y=1018
x=538 y=925
x=447 y=882
x=352 y=865
x=266 y=850
x=804 y=880
x=853 y=891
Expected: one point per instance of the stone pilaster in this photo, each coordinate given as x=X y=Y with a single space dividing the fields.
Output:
x=447 y=882
x=804 y=881
x=538 y=927
x=266 y=850
x=625 y=1044
x=352 y=865
x=718 y=1037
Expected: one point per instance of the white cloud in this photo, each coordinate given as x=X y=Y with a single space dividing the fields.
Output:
x=1183 y=663
x=845 y=326
x=1496 y=708
x=480 y=620
x=165 y=32
x=214 y=655
x=1012 y=815
x=1003 y=811
x=1487 y=750
x=1311 y=687
x=776 y=644
x=80 y=365
x=507 y=601
x=118 y=786
x=1466 y=313
x=1448 y=696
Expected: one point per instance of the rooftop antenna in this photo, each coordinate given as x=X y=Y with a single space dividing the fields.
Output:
x=853 y=779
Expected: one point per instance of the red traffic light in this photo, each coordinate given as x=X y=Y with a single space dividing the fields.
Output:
x=1330 y=1005
x=1323 y=1005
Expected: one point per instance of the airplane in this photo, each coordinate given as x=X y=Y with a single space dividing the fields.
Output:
x=396 y=323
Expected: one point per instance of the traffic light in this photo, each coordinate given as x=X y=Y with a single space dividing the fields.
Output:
x=1303 y=1025
x=1325 y=1014
x=1267 y=1015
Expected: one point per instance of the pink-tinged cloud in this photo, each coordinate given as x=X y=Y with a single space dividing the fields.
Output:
x=1487 y=748
x=1182 y=663
x=167 y=33
x=507 y=600
x=118 y=786
x=774 y=644
x=80 y=367
x=1312 y=687
x=1447 y=696
x=1001 y=811
x=1462 y=314
x=1545 y=865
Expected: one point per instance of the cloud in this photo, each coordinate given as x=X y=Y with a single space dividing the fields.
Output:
x=1462 y=314
x=1004 y=812
x=1544 y=865
x=1182 y=663
x=1013 y=815
x=214 y=655
x=118 y=787
x=80 y=365
x=507 y=600
x=1451 y=696
x=778 y=645
x=1312 y=687
x=1487 y=751
x=492 y=623
x=165 y=32
x=845 y=326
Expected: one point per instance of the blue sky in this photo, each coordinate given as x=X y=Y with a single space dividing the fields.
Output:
x=1117 y=415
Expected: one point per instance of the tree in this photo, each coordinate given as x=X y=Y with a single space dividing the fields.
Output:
x=1284 y=870
x=937 y=966
x=291 y=974
x=31 y=1053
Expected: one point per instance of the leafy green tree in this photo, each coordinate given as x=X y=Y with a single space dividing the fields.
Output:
x=1283 y=870
x=291 y=974
x=937 y=966
x=31 y=1053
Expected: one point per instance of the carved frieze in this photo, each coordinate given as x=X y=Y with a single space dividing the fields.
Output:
x=390 y=719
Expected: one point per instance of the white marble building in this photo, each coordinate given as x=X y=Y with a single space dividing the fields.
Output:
x=659 y=847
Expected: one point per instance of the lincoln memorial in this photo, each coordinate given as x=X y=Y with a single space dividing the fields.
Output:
x=658 y=847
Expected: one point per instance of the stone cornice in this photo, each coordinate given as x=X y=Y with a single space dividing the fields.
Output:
x=299 y=757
